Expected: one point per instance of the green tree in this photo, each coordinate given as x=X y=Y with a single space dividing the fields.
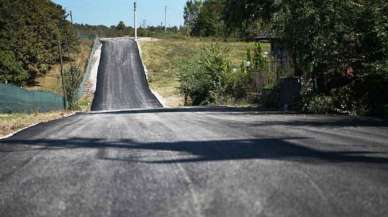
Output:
x=247 y=16
x=121 y=26
x=31 y=30
x=204 y=18
x=191 y=13
x=11 y=70
x=340 y=44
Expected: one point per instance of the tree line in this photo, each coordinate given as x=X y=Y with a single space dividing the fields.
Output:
x=120 y=30
x=338 y=47
x=31 y=33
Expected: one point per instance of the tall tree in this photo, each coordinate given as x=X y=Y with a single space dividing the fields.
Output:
x=29 y=36
x=209 y=21
x=191 y=13
x=243 y=15
x=121 y=26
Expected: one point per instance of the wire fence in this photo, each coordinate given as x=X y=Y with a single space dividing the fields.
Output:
x=14 y=99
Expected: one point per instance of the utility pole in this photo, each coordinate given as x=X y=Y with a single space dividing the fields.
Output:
x=62 y=76
x=71 y=17
x=165 y=18
x=134 y=18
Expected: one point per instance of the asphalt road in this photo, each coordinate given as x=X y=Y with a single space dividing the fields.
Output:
x=196 y=162
x=121 y=81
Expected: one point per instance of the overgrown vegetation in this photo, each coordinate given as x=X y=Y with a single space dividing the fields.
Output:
x=30 y=35
x=163 y=58
x=204 y=78
x=72 y=78
x=338 y=46
x=210 y=78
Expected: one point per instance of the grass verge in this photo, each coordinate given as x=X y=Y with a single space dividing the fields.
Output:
x=163 y=56
x=10 y=123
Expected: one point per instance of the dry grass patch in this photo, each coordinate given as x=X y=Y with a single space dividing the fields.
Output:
x=10 y=123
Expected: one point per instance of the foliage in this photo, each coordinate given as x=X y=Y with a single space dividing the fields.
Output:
x=204 y=18
x=248 y=16
x=320 y=104
x=341 y=45
x=203 y=78
x=120 y=30
x=210 y=77
x=29 y=35
x=191 y=14
x=72 y=78
x=121 y=26
x=163 y=59
x=11 y=70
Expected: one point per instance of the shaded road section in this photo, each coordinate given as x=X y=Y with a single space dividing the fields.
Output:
x=196 y=162
x=121 y=81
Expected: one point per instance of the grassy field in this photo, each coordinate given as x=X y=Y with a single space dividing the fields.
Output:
x=162 y=57
x=52 y=80
x=11 y=122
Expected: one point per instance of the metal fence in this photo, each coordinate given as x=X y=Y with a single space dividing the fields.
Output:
x=15 y=99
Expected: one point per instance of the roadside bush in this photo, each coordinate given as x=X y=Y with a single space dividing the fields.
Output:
x=194 y=84
x=313 y=102
x=203 y=78
x=348 y=100
x=72 y=79
x=319 y=104
x=251 y=74
x=237 y=81
x=209 y=77
x=362 y=96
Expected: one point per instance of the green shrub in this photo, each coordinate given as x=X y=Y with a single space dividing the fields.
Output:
x=203 y=78
x=72 y=79
x=236 y=82
x=319 y=104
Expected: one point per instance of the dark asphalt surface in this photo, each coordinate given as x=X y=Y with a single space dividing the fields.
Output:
x=196 y=162
x=121 y=81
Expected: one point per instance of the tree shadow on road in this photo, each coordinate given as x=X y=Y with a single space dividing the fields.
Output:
x=200 y=151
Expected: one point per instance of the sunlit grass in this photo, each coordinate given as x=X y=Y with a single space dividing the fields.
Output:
x=162 y=58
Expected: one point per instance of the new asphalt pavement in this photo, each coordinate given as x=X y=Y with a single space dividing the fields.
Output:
x=223 y=162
